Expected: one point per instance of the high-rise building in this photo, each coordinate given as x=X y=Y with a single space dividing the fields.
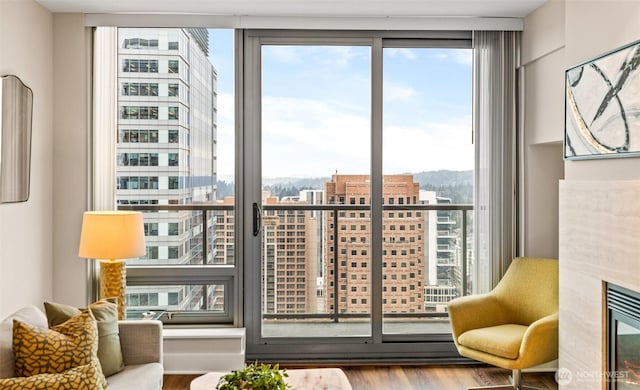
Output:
x=165 y=150
x=289 y=265
x=442 y=255
x=316 y=197
x=403 y=268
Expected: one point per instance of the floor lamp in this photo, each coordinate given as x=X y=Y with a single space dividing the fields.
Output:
x=112 y=237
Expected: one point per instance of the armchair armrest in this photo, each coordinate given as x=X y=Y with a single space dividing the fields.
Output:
x=141 y=341
x=473 y=312
x=540 y=341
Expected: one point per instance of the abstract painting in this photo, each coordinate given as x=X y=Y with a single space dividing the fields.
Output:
x=602 y=106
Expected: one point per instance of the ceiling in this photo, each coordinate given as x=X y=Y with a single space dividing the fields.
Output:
x=304 y=8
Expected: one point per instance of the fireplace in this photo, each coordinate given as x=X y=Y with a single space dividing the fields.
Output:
x=623 y=335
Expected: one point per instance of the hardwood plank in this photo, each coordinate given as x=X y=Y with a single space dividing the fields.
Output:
x=412 y=378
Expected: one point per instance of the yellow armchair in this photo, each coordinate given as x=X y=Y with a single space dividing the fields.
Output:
x=515 y=326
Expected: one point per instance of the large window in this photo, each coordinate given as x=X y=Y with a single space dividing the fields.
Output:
x=353 y=226
x=175 y=162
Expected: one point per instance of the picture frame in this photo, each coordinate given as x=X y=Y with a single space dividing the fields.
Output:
x=16 y=110
x=602 y=106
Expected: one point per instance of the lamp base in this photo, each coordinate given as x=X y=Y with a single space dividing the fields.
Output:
x=113 y=278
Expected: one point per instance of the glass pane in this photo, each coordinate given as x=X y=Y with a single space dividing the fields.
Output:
x=315 y=151
x=627 y=357
x=174 y=298
x=177 y=109
x=428 y=160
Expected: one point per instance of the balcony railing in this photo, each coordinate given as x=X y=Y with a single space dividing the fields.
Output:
x=213 y=215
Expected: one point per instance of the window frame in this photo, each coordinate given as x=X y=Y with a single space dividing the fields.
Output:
x=383 y=346
x=226 y=275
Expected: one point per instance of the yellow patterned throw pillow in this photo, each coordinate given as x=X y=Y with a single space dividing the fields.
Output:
x=105 y=312
x=71 y=344
x=84 y=377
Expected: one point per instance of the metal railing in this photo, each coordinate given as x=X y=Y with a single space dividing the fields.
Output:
x=335 y=210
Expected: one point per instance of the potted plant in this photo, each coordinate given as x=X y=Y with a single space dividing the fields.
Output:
x=255 y=377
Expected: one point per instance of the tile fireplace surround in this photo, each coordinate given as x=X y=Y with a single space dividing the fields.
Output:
x=599 y=242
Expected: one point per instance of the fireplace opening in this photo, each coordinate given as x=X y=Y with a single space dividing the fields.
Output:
x=623 y=335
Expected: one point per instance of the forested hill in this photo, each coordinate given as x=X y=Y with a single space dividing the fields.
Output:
x=457 y=185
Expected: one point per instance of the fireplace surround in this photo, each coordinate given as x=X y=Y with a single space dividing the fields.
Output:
x=599 y=245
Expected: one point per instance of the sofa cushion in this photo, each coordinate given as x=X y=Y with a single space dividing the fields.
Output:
x=139 y=377
x=106 y=314
x=30 y=315
x=82 y=377
x=51 y=351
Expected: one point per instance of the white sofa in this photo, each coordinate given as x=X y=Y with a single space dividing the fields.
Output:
x=141 y=343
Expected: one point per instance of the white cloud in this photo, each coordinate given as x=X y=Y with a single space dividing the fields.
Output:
x=284 y=54
x=458 y=56
x=312 y=138
x=395 y=91
x=463 y=57
x=429 y=146
x=304 y=137
x=339 y=56
x=406 y=53
x=334 y=56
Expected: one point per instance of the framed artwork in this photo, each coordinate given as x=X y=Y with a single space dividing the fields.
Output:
x=602 y=106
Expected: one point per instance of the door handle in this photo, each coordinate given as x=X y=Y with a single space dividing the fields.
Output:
x=257 y=219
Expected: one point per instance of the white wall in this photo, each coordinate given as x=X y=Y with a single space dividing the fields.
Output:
x=26 y=228
x=71 y=58
x=556 y=36
x=594 y=28
x=39 y=238
x=543 y=62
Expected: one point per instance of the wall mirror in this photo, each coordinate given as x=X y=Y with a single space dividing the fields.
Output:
x=16 y=100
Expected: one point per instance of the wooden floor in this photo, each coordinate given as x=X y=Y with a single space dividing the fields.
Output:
x=413 y=378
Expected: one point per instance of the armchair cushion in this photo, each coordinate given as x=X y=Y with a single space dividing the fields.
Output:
x=500 y=340
x=475 y=311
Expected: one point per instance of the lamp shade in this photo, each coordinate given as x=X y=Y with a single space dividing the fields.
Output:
x=112 y=235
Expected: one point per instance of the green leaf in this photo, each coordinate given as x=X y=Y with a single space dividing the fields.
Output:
x=255 y=377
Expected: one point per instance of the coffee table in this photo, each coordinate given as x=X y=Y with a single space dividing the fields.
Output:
x=299 y=379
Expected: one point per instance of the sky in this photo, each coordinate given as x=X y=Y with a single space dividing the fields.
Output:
x=316 y=109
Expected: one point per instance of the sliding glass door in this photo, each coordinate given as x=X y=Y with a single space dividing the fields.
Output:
x=315 y=122
x=358 y=156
